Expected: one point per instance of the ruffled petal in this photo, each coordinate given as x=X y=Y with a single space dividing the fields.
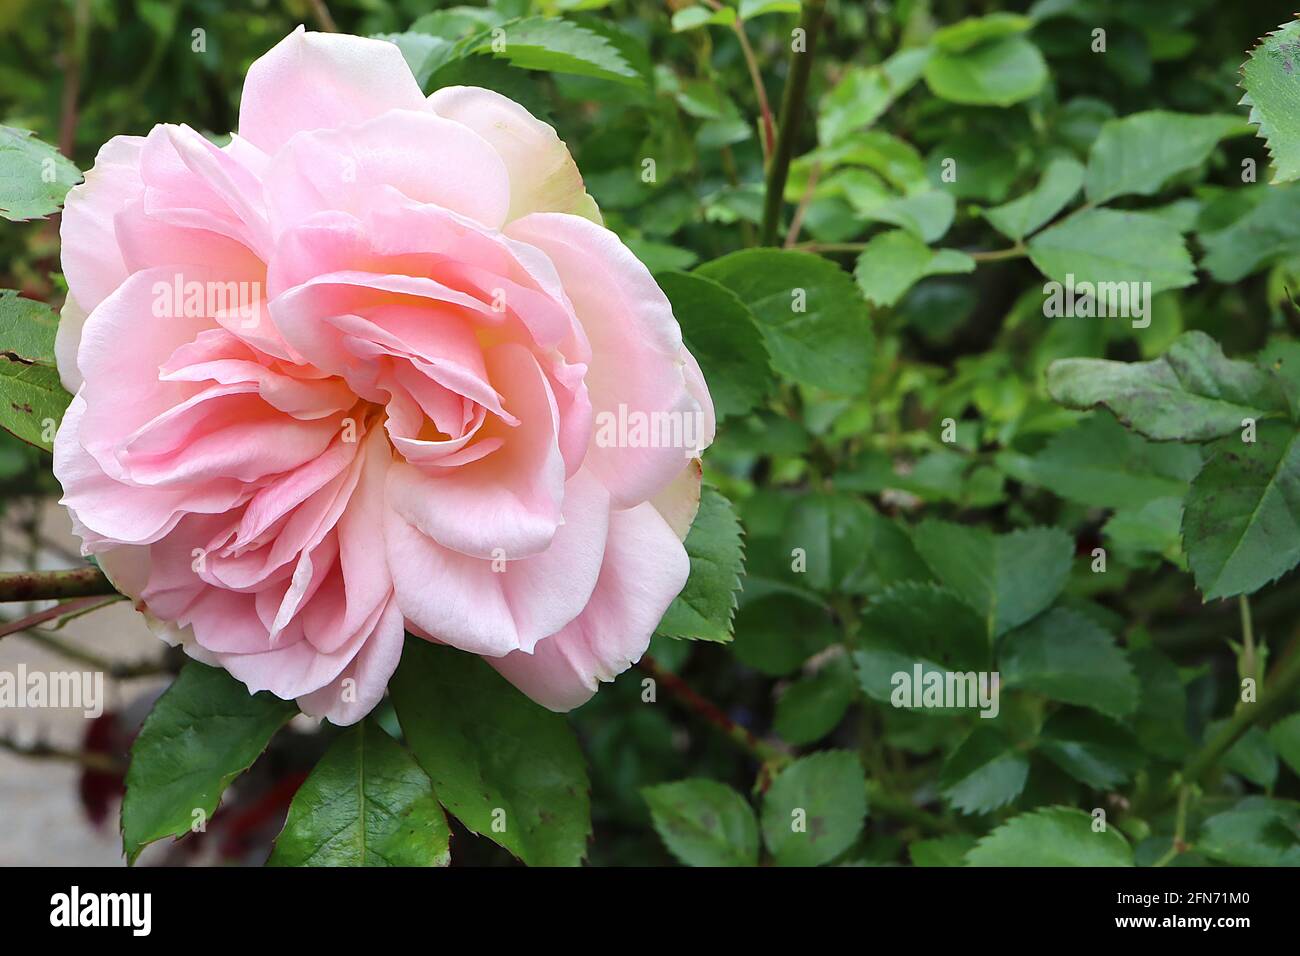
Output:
x=322 y=81
x=645 y=568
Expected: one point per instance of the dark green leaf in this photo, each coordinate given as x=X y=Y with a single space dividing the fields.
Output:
x=505 y=767
x=814 y=705
x=1006 y=578
x=1141 y=152
x=1274 y=100
x=1090 y=748
x=1192 y=393
x=27 y=329
x=815 y=809
x=1052 y=836
x=1065 y=656
x=809 y=311
x=704 y=609
x=723 y=336
x=366 y=803
x=1111 y=250
x=984 y=773
x=203 y=732
x=1241 y=520
x=704 y=823
x=34 y=176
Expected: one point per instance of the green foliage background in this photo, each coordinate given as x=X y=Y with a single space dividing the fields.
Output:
x=919 y=468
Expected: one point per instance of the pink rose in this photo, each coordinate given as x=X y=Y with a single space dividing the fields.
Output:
x=349 y=374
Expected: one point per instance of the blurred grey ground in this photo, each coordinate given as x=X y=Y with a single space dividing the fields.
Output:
x=42 y=821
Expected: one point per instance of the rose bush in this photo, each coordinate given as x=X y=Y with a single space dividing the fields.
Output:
x=340 y=378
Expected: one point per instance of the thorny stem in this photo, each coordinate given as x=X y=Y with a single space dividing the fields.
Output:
x=67 y=609
x=761 y=751
x=1179 y=844
x=54 y=585
x=105 y=763
x=793 y=103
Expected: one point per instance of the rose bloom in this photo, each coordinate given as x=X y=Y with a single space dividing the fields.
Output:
x=342 y=377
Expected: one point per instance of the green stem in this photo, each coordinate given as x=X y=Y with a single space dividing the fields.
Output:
x=793 y=102
x=54 y=585
x=1179 y=843
x=1282 y=684
x=1249 y=659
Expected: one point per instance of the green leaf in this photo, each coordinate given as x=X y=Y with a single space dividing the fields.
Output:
x=948 y=850
x=815 y=808
x=558 y=46
x=1066 y=656
x=27 y=329
x=1191 y=393
x=1006 y=578
x=814 y=705
x=1160 y=721
x=1256 y=832
x=505 y=767
x=1154 y=526
x=366 y=803
x=1273 y=98
x=809 y=311
x=704 y=609
x=864 y=93
x=456 y=22
x=926 y=216
x=1019 y=218
x=204 y=731
x=776 y=633
x=32 y=402
x=1285 y=735
x=1104 y=246
x=1092 y=749
x=1051 y=836
x=34 y=176
x=894 y=261
x=757 y=8
x=691 y=18
x=723 y=336
x=929 y=623
x=704 y=823
x=845 y=545
x=1241 y=520
x=1268 y=232
x=999 y=72
x=1252 y=756
x=1138 y=154
x=1102 y=464
x=984 y=773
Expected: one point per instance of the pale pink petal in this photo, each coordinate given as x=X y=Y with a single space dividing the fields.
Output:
x=313 y=81
x=361 y=685
x=423 y=156
x=637 y=369
x=92 y=262
x=492 y=607
x=543 y=176
x=645 y=568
